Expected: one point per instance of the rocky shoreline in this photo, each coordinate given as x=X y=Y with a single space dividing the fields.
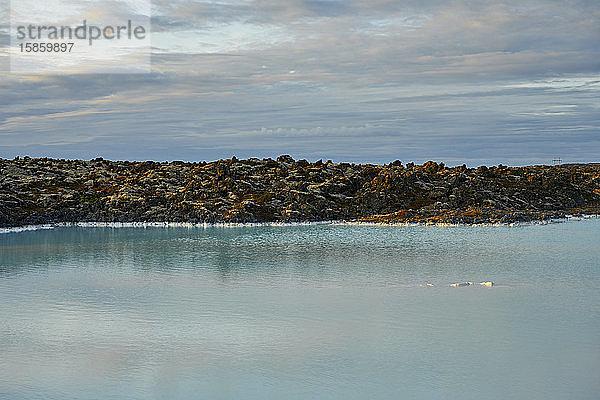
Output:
x=36 y=191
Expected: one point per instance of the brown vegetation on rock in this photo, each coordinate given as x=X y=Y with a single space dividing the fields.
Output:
x=42 y=190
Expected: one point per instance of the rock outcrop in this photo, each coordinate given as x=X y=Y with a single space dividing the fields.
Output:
x=43 y=190
x=463 y=284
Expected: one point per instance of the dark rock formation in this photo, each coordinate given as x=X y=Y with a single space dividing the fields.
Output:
x=42 y=190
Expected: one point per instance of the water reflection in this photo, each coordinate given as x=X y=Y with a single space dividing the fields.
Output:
x=300 y=312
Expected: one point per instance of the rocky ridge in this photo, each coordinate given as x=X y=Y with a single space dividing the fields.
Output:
x=43 y=190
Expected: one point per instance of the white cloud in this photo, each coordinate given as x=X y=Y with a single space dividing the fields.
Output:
x=220 y=38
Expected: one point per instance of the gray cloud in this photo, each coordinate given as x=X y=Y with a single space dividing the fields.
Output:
x=511 y=82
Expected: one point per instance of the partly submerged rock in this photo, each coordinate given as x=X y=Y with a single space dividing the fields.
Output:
x=461 y=284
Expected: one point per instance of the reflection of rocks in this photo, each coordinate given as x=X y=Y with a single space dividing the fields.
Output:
x=42 y=190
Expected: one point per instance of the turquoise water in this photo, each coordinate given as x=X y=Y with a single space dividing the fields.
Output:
x=301 y=312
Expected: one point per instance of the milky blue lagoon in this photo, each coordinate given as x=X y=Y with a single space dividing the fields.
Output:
x=301 y=312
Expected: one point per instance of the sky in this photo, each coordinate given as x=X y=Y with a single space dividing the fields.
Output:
x=475 y=82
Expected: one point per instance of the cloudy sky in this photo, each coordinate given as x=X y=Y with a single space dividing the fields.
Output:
x=515 y=82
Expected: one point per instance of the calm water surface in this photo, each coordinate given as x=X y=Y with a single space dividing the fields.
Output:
x=301 y=312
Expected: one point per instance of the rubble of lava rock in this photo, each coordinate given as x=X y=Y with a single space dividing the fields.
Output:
x=42 y=190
